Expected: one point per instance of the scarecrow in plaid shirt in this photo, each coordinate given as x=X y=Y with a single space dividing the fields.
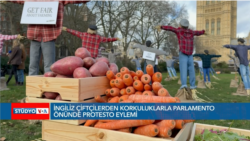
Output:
x=43 y=38
x=90 y=40
x=185 y=38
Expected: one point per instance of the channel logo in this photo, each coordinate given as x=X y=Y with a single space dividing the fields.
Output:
x=36 y=111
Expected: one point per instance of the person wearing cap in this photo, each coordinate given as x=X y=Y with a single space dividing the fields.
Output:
x=206 y=64
x=90 y=40
x=242 y=52
x=43 y=39
x=148 y=48
x=112 y=56
x=137 y=62
x=185 y=39
x=5 y=38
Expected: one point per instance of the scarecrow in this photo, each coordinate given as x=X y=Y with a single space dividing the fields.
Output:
x=185 y=38
x=43 y=39
x=211 y=70
x=90 y=40
x=112 y=56
x=206 y=59
x=100 y=52
x=150 y=49
x=234 y=82
x=137 y=62
x=169 y=63
x=242 y=52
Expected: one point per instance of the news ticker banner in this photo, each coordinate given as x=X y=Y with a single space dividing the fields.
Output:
x=157 y=111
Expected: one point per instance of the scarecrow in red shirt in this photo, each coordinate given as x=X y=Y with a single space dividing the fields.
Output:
x=90 y=40
x=43 y=38
x=185 y=38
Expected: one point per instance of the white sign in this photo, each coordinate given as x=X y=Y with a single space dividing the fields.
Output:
x=148 y=55
x=156 y=61
x=40 y=13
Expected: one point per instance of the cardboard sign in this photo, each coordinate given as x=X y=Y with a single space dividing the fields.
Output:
x=40 y=13
x=156 y=61
x=148 y=55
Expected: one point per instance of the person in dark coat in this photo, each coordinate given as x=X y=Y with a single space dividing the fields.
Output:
x=21 y=67
x=15 y=60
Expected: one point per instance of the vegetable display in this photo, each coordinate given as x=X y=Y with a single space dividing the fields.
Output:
x=136 y=87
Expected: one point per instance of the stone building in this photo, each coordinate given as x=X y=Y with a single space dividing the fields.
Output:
x=219 y=19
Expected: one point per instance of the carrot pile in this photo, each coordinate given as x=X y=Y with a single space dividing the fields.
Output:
x=136 y=87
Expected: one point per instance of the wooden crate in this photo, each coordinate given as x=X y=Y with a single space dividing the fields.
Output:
x=53 y=131
x=198 y=128
x=69 y=88
x=42 y=100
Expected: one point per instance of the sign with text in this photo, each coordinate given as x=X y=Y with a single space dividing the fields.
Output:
x=148 y=55
x=40 y=13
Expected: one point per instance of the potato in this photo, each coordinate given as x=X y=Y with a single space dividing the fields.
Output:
x=99 y=69
x=67 y=65
x=62 y=76
x=82 y=53
x=113 y=67
x=49 y=74
x=50 y=95
x=58 y=98
x=81 y=73
x=88 y=62
x=103 y=59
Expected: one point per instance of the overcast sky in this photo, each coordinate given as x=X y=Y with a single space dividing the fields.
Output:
x=243 y=16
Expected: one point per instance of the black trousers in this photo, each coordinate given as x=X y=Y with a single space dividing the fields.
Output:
x=13 y=71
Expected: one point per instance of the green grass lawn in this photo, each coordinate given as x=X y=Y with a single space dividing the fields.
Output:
x=21 y=130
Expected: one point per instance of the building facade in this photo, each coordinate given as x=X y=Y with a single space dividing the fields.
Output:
x=219 y=19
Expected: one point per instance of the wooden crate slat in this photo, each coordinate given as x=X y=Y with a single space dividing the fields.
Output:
x=53 y=131
x=198 y=128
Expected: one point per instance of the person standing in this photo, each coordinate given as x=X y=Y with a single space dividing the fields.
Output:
x=14 y=60
x=43 y=39
x=137 y=62
x=5 y=38
x=112 y=56
x=21 y=67
x=242 y=52
x=206 y=64
x=185 y=38
x=90 y=39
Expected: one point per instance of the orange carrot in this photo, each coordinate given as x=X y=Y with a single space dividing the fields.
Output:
x=177 y=100
x=147 y=87
x=106 y=120
x=167 y=123
x=124 y=70
x=127 y=79
x=146 y=79
x=135 y=78
x=114 y=92
x=98 y=122
x=126 y=130
x=112 y=83
x=120 y=124
x=156 y=99
x=157 y=77
x=109 y=98
x=179 y=124
x=123 y=91
x=90 y=122
x=147 y=130
x=107 y=92
x=143 y=101
x=149 y=93
x=138 y=85
x=187 y=121
x=118 y=75
x=132 y=73
x=130 y=90
x=127 y=101
x=138 y=93
x=119 y=83
x=150 y=70
x=164 y=132
x=156 y=86
x=163 y=92
x=99 y=99
x=114 y=100
x=124 y=97
x=110 y=75
x=139 y=73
